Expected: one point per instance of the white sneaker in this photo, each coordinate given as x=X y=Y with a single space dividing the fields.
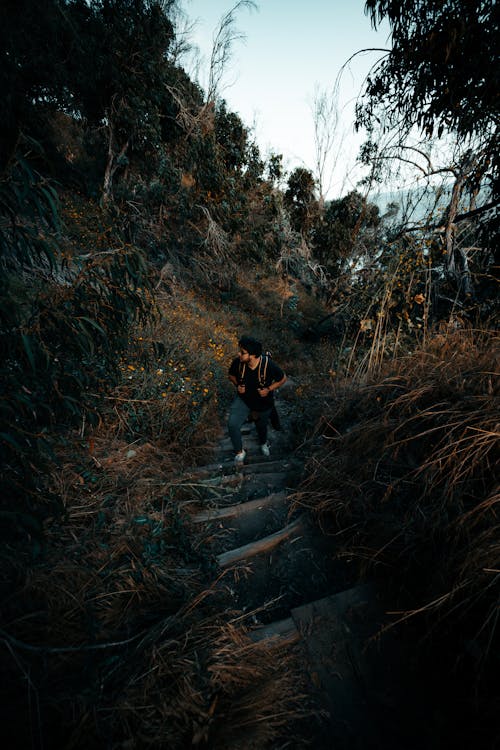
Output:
x=264 y=449
x=240 y=457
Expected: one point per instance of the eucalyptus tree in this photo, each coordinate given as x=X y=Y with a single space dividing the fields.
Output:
x=441 y=77
x=300 y=199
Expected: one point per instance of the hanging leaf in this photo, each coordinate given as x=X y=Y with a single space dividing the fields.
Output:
x=93 y=323
x=28 y=350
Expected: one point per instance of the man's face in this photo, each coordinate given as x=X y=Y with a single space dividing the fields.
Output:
x=244 y=355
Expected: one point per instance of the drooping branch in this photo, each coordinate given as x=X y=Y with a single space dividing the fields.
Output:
x=224 y=39
x=190 y=120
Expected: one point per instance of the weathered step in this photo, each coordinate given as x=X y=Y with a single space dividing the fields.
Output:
x=284 y=631
x=355 y=672
x=302 y=568
x=253 y=456
x=292 y=470
x=336 y=633
x=251 y=445
x=237 y=525
x=240 y=485
x=248 y=440
x=256 y=485
x=241 y=509
x=261 y=546
x=193 y=490
x=350 y=617
x=258 y=463
x=254 y=465
x=244 y=488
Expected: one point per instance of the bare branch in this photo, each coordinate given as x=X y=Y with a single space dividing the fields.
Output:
x=224 y=38
x=327 y=140
x=477 y=211
x=216 y=239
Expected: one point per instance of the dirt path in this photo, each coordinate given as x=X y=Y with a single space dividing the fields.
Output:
x=285 y=574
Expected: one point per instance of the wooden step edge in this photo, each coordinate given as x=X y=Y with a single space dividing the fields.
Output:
x=282 y=632
x=362 y=595
x=227 y=468
x=254 y=455
x=225 y=480
x=271 y=477
x=248 y=440
x=268 y=464
x=266 y=544
x=241 y=509
x=202 y=472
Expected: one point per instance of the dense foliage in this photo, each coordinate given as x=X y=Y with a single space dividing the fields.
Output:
x=139 y=227
x=441 y=73
x=430 y=107
x=421 y=510
x=63 y=323
x=96 y=111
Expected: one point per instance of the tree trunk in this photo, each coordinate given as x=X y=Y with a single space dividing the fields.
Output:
x=457 y=264
x=112 y=163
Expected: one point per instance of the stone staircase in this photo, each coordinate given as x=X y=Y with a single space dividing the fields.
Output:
x=281 y=568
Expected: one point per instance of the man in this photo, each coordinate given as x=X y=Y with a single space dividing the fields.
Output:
x=256 y=378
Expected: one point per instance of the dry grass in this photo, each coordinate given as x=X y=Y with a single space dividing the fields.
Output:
x=407 y=480
x=115 y=627
x=118 y=630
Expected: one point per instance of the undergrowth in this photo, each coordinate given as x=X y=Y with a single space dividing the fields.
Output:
x=111 y=631
x=406 y=481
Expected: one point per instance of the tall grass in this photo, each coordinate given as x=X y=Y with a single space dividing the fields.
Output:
x=407 y=481
x=116 y=627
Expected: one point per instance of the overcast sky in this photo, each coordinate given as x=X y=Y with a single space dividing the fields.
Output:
x=291 y=48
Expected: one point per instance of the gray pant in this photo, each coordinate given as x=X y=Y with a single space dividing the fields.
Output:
x=238 y=415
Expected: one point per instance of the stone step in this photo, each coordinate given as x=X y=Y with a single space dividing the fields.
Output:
x=237 y=525
x=241 y=509
x=264 y=545
x=284 y=631
x=302 y=567
x=255 y=464
x=354 y=669
x=253 y=486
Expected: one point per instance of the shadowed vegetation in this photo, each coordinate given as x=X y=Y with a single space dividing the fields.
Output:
x=141 y=233
x=406 y=484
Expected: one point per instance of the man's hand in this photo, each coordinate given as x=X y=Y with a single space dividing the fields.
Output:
x=264 y=392
x=241 y=389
